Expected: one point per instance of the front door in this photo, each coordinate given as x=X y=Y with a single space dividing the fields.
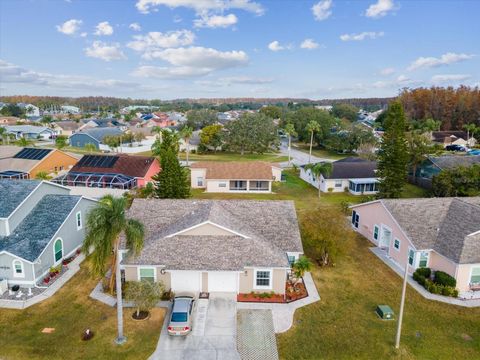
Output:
x=385 y=239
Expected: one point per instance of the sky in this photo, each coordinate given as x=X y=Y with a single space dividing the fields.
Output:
x=168 y=49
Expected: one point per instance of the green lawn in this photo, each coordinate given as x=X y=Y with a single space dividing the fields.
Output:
x=226 y=156
x=321 y=153
x=70 y=311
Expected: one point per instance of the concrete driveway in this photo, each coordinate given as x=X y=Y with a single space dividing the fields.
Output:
x=299 y=157
x=213 y=336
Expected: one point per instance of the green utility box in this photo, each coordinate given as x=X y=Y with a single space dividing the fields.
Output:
x=385 y=312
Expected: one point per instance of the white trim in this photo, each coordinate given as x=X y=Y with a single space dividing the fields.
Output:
x=15 y=256
x=260 y=287
x=56 y=262
x=78 y=213
x=387 y=228
x=399 y=244
x=373 y=233
x=147 y=268
x=474 y=233
x=471 y=272
x=408 y=257
x=15 y=274
x=208 y=222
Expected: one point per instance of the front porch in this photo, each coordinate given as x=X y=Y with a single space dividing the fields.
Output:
x=250 y=186
x=365 y=186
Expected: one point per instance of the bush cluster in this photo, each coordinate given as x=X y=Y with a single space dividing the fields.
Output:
x=442 y=283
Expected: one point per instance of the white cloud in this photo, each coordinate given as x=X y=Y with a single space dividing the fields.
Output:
x=215 y=21
x=275 y=46
x=450 y=78
x=387 y=71
x=177 y=19
x=156 y=40
x=135 y=26
x=400 y=81
x=191 y=62
x=228 y=81
x=322 y=10
x=309 y=44
x=83 y=34
x=445 y=59
x=70 y=27
x=361 y=36
x=201 y=6
x=103 y=51
x=380 y=8
x=103 y=28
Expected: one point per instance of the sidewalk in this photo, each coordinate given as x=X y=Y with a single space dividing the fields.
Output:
x=419 y=288
x=283 y=313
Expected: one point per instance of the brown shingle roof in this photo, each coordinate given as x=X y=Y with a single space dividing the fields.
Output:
x=238 y=170
x=135 y=166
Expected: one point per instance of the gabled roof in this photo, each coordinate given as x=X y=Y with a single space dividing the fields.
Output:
x=13 y=193
x=236 y=170
x=439 y=136
x=453 y=161
x=442 y=224
x=68 y=125
x=267 y=230
x=135 y=166
x=37 y=229
x=100 y=133
x=353 y=167
x=28 y=129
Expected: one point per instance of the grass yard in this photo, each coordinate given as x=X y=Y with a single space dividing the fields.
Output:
x=321 y=153
x=70 y=311
x=226 y=156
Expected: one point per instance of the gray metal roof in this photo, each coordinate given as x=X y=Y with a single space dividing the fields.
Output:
x=13 y=192
x=442 y=224
x=37 y=229
x=99 y=133
x=271 y=228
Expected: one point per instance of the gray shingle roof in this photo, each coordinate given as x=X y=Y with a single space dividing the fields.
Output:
x=353 y=168
x=100 y=133
x=442 y=224
x=453 y=161
x=37 y=229
x=13 y=192
x=271 y=228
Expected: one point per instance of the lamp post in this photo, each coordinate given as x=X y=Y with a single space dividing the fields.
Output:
x=402 y=305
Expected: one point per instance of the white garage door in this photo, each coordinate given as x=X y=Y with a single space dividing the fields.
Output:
x=222 y=281
x=186 y=281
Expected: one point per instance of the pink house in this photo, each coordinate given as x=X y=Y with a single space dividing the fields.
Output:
x=439 y=233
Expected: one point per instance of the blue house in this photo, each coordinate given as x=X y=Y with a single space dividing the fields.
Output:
x=93 y=136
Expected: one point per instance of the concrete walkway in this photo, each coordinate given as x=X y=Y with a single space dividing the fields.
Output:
x=73 y=268
x=298 y=157
x=419 y=288
x=283 y=313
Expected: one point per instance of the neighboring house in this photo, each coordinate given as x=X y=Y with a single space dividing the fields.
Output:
x=40 y=225
x=66 y=128
x=119 y=171
x=99 y=123
x=355 y=174
x=241 y=176
x=146 y=131
x=23 y=163
x=435 y=165
x=439 y=233
x=30 y=109
x=10 y=120
x=237 y=246
x=94 y=136
x=69 y=109
x=30 y=132
x=193 y=143
x=446 y=138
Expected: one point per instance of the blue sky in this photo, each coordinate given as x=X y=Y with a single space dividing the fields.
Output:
x=236 y=48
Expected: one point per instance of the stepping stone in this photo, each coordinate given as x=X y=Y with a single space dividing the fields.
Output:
x=48 y=330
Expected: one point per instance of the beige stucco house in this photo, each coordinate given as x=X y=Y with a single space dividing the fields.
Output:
x=196 y=246
x=235 y=176
x=439 y=233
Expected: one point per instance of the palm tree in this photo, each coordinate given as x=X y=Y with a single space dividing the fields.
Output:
x=300 y=267
x=312 y=127
x=319 y=169
x=290 y=131
x=471 y=129
x=186 y=134
x=23 y=142
x=42 y=175
x=105 y=224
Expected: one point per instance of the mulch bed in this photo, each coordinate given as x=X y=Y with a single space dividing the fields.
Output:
x=274 y=298
x=291 y=294
x=297 y=293
x=142 y=315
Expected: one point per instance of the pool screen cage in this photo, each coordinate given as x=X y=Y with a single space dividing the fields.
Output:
x=13 y=175
x=97 y=180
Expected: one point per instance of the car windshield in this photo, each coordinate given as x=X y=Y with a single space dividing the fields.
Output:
x=179 y=317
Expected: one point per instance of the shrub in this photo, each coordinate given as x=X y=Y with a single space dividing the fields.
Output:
x=330 y=189
x=419 y=278
x=425 y=272
x=144 y=294
x=442 y=278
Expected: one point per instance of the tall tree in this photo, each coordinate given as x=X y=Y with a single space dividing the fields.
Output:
x=345 y=111
x=186 y=135
x=471 y=129
x=211 y=137
x=167 y=140
x=61 y=141
x=105 y=223
x=393 y=153
x=273 y=112
x=290 y=131
x=419 y=147
x=319 y=169
x=172 y=180
x=312 y=127
x=198 y=119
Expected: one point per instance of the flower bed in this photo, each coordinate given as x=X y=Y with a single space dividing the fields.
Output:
x=297 y=292
x=261 y=298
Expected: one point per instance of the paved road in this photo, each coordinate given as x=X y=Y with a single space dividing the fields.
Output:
x=299 y=157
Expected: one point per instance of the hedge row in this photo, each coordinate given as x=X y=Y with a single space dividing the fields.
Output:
x=442 y=283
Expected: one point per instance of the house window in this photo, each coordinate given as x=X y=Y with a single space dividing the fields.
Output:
x=475 y=277
x=338 y=183
x=78 y=218
x=18 y=268
x=58 y=249
x=396 y=244
x=146 y=274
x=291 y=259
x=411 y=257
x=423 y=259
x=375 y=232
x=263 y=279
x=355 y=219
x=199 y=181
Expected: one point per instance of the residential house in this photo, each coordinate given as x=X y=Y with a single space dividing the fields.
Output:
x=235 y=176
x=439 y=233
x=30 y=109
x=237 y=246
x=65 y=128
x=453 y=137
x=100 y=123
x=30 y=132
x=354 y=174
x=40 y=225
x=69 y=109
x=193 y=142
x=23 y=163
x=94 y=136
x=10 y=120
x=118 y=171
